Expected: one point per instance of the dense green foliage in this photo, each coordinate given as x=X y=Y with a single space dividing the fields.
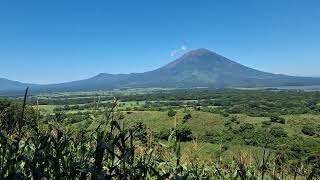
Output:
x=103 y=140
x=309 y=130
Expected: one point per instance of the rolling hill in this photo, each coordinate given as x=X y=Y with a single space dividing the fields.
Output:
x=197 y=68
x=9 y=85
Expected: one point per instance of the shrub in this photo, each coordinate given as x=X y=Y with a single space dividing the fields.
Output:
x=227 y=123
x=281 y=120
x=278 y=132
x=164 y=134
x=187 y=117
x=274 y=118
x=184 y=133
x=140 y=131
x=308 y=130
x=225 y=114
x=246 y=126
x=171 y=113
x=234 y=119
x=266 y=123
x=277 y=119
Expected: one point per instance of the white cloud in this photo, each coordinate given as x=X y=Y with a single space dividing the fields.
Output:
x=177 y=52
x=173 y=53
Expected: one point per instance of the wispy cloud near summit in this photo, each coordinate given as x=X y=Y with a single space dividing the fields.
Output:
x=176 y=52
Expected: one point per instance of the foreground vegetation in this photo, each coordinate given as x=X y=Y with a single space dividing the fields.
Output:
x=198 y=134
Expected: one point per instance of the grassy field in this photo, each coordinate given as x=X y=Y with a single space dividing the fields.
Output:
x=209 y=127
x=201 y=122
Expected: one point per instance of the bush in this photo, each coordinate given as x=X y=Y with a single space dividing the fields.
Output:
x=171 y=113
x=273 y=118
x=266 y=123
x=234 y=119
x=278 y=132
x=211 y=137
x=308 y=130
x=227 y=123
x=140 y=131
x=277 y=119
x=187 y=117
x=225 y=114
x=246 y=126
x=281 y=120
x=184 y=133
x=164 y=134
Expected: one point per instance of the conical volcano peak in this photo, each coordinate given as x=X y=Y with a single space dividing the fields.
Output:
x=200 y=56
x=201 y=50
x=198 y=52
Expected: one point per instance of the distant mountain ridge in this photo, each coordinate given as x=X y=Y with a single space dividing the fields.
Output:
x=197 y=68
x=9 y=85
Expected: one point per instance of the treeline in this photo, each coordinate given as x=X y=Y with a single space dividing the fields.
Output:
x=253 y=103
x=250 y=102
x=67 y=101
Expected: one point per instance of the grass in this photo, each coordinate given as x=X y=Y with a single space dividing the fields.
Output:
x=130 y=104
x=156 y=120
x=47 y=108
x=204 y=150
x=294 y=123
x=153 y=119
x=200 y=123
x=204 y=121
x=237 y=149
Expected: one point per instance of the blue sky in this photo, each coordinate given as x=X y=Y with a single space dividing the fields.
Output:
x=49 y=41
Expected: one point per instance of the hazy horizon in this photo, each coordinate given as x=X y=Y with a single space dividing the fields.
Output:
x=61 y=41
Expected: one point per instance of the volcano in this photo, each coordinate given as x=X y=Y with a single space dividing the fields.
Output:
x=197 y=68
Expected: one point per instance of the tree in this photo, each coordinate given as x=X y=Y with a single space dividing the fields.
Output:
x=140 y=131
x=184 y=133
x=171 y=113
x=59 y=116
